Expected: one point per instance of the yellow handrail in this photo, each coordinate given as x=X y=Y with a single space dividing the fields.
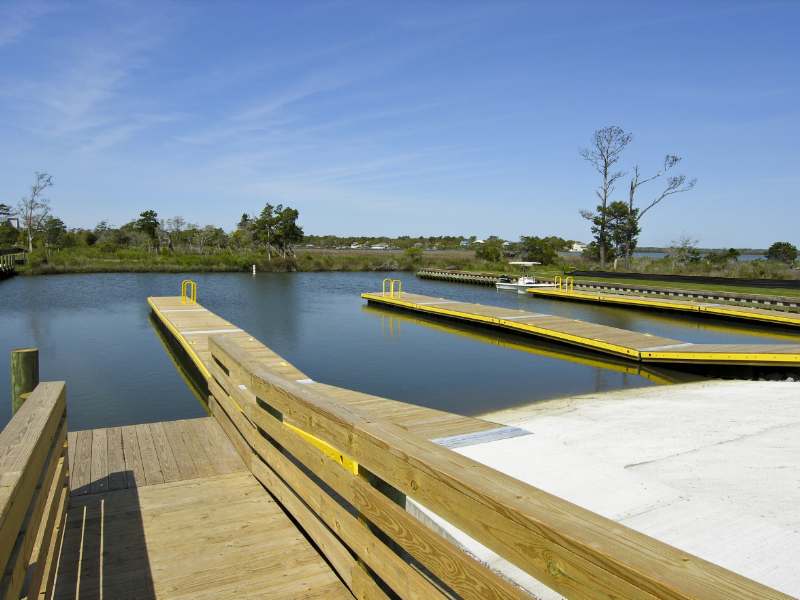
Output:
x=391 y=287
x=557 y=281
x=569 y=284
x=188 y=292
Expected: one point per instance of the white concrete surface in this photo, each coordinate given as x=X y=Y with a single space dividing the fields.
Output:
x=712 y=468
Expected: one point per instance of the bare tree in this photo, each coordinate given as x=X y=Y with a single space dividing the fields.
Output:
x=674 y=184
x=605 y=152
x=33 y=209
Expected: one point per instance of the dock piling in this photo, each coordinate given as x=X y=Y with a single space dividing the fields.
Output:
x=24 y=375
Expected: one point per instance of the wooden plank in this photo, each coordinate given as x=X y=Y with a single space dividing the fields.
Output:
x=99 y=462
x=234 y=436
x=182 y=455
x=44 y=570
x=81 y=472
x=169 y=467
x=223 y=447
x=116 y=459
x=134 y=471
x=52 y=479
x=147 y=450
x=249 y=549
x=207 y=444
x=568 y=548
x=195 y=447
x=72 y=443
x=24 y=447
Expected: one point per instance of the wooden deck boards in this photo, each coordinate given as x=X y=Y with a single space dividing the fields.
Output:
x=169 y=510
x=192 y=325
x=641 y=347
x=147 y=454
x=219 y=537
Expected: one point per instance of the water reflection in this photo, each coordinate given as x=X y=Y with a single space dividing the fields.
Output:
x=390 y=326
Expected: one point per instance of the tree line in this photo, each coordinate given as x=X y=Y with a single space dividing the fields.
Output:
x=275 y=230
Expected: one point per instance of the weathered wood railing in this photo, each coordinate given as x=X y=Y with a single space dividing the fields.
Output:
x=33 y=491
x=374 y=544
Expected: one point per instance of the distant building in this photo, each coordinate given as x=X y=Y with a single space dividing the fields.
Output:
x=578 y=247
x=379 y=247
x=355 y=245
x=464 y=243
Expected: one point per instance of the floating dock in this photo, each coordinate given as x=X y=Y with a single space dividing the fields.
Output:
x=192 y=326
x=726 y=311
x=641 y=347
x=584 y=284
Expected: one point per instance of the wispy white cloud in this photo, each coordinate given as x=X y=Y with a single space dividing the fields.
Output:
x=82 y=99
x=119 y=132
x=18 y=18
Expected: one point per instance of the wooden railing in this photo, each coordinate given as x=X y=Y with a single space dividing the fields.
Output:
x=360 y=524
x=33 y=491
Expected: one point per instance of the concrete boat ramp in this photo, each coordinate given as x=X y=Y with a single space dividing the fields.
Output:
x=712 y=468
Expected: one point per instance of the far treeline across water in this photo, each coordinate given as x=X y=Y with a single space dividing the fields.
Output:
x=274 y=240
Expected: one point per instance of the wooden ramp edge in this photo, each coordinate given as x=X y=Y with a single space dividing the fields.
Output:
x=727 y=311
x=192 y=325
x=641 y=347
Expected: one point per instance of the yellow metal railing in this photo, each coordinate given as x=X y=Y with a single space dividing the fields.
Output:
x=389 y=284
x=557 y=281
x=188 y=292
x=569 y=284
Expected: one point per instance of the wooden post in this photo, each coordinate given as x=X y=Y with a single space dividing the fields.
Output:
x=24 y=375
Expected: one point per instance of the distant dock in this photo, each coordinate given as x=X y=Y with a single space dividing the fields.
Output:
x=710 y=309
x=640 y=347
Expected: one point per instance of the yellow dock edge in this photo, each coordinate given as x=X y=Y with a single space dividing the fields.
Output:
x=180 y=339
x=695 y=357
x=730 y=312
x=506 y=324
x=332 y=452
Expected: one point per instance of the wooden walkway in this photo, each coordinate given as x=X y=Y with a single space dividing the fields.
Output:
x=169 y=510
x=117 y=458
x=712 y=309
x=633 y=345
x=192 y=325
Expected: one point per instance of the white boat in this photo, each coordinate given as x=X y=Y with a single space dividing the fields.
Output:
x=520 y=284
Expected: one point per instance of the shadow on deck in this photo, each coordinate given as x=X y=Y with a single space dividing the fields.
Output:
x=104 y=552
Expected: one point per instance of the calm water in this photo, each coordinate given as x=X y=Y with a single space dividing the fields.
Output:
x=95 y=332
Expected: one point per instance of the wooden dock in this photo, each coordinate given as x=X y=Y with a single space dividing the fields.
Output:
x=296 y=489
x=641 y=347
x=169 y=510
x=192 y=326
x=703 y=309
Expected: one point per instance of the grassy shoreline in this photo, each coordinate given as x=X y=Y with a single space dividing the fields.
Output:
x=137 y=261
x=319 y=260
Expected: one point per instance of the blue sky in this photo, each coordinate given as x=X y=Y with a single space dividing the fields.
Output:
x=403 y=118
